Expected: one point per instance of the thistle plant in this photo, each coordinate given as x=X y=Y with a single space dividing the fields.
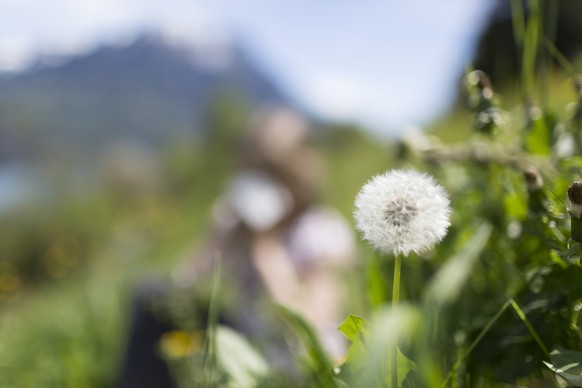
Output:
x=488 y=117
x=575 y=210
x=535 y=188
x=402 y=211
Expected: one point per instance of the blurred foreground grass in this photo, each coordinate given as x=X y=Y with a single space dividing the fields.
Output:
x=68 y=335
x=72 y=265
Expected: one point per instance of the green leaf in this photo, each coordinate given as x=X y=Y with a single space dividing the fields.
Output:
x=568 y=365
x=449 y=281
x=405 y=365
x=238 y=359
x=391 y=328
x=320 y=362
x=355 y=328
x=515 y=206
x=539 y=139
x=368 y=356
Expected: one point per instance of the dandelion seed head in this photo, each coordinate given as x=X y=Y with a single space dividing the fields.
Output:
x=402 y=211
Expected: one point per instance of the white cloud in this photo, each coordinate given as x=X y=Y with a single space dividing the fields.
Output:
x=15 y=53
x=334 y=96
x=71 y=26
x=385 y=104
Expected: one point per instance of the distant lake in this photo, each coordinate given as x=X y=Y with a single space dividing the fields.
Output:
x=17 y=185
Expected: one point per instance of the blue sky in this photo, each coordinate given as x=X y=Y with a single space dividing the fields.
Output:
x=385 y=64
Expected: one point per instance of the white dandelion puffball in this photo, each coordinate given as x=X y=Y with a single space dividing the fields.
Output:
x=402 y=211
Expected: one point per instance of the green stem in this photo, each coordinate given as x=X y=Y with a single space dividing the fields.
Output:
x=576 y=229
x=395 y=298
x=476 y=341
x=210 y=345
x=530 y=328
x=511 y=302
x=396 y=284
x=560 y=58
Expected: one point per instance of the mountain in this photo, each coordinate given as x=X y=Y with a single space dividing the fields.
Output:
x=148 y=91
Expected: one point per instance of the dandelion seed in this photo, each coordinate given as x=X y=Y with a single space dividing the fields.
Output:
x=402 y=211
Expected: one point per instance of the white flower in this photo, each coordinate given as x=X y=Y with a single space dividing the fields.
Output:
x=402 y=211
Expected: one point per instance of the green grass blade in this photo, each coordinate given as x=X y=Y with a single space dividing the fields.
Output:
x=320 y=362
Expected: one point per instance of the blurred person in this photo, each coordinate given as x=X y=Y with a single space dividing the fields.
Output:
x=275 y=241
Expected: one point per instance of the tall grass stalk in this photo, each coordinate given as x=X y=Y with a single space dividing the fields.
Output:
x=530 y=48
x=210 y=345
x=522 y=316
x=560 y=58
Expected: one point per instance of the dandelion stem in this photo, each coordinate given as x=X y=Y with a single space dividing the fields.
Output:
x=396 y=284
x=395 y=298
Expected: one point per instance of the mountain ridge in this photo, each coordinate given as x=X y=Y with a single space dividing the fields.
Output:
x=148 y=91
